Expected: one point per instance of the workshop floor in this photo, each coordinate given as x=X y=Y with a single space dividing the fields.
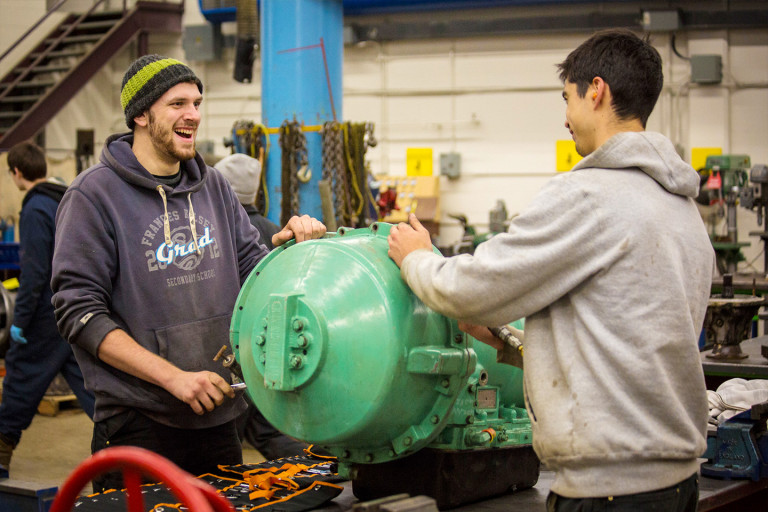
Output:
x=53 y=446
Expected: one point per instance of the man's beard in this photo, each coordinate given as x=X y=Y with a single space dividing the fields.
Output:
x=164 y=142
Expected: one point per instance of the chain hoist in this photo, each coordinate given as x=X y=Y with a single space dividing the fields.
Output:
x=248 y=138
x=334 y=171
x=358 y=137
x=294 y=167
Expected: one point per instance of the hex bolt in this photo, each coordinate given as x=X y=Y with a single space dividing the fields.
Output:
x=458 y=338
x=296 y=362
x=303 y=341
x=368 y=457
x=260 y=340
x=264 y=323
x=435 y=419
x=408 y=441
x=445 y=383
x=263 y=358
x=298 y=325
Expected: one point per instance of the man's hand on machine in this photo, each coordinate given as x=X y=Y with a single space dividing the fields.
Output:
x=202 y=391
x=301 y=228
x=405 y=238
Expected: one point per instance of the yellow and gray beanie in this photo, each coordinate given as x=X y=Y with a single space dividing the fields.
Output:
x=147 y=79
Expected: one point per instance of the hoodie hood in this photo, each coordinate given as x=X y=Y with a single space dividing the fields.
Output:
x=118 y=156
x=650 y=152
x=52 y=190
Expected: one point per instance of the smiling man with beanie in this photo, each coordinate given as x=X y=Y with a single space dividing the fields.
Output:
x=152 y=247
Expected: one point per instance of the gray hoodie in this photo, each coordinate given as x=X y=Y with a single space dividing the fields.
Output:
x=611 y=266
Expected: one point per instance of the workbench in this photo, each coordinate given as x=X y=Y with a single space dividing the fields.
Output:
x=755 y=366
x=714 y=495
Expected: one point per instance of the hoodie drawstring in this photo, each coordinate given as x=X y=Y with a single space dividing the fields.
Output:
x=167 y=223
x=192 y=222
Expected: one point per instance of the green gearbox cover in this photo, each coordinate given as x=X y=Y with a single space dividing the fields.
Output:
x=337 y=351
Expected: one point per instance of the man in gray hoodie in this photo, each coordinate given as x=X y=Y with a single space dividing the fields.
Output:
x=611 y=266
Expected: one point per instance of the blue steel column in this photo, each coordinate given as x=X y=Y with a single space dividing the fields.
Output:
x=302 y=51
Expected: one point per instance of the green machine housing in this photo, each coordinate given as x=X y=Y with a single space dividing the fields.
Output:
x=337 y=351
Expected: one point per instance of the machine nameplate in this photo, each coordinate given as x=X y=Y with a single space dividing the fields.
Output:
x=486 y=398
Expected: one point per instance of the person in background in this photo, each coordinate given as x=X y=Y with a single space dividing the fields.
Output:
x=37 y=352
x=243 y=172
x=152 y=247
x=611 y=267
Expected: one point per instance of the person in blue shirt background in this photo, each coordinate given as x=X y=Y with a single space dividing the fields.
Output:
x=37 y=352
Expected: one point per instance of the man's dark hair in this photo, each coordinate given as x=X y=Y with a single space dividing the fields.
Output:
x=29 y=159
x=627 y=63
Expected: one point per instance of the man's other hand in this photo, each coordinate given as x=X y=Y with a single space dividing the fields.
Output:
x=405 y=238
x=202 y=391
x=301 y=228
x=482 y=333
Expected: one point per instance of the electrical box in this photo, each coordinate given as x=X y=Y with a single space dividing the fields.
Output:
x=661 y=21
x=202 y=42
x=450 y=165
x=706 y=69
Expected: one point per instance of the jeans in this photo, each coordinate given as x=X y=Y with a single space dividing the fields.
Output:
x=197 y=451
x=681 y=497
x=30 y=369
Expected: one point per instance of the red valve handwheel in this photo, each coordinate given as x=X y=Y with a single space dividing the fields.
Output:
x=196 y=495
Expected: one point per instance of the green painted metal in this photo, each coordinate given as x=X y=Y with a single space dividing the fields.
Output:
x=337 y=351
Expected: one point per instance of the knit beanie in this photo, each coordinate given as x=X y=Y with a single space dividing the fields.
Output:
x=243 y=173
x=148 y=78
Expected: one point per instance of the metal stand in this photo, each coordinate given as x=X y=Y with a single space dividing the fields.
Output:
x=728 y=321
x=451 y=477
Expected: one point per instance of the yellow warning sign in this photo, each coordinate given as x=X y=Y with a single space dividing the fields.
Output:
x=565 y=155
x=699 y=156
x=418 y=161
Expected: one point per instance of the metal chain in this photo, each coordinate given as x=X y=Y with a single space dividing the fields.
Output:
x=334 y=170
x=293 y=150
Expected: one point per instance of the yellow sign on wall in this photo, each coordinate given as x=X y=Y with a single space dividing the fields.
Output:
x=699 y=156
x=418 y=161
x=565 y=155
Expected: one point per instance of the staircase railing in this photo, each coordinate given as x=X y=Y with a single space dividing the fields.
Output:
x=51 y=46
x=32 y=28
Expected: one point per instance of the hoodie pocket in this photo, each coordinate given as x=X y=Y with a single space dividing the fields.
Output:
x=192 y=346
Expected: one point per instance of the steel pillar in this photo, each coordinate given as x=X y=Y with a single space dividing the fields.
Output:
x=302 y=51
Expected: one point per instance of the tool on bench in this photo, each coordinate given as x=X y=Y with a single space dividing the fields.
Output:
x=739 y=449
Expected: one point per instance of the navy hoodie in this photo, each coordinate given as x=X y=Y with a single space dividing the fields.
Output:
x=129 y=255
x=33 y=311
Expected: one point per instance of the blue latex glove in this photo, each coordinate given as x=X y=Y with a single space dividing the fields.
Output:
x=17 y=333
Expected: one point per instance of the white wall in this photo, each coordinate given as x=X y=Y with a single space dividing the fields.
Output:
x=494 y=100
